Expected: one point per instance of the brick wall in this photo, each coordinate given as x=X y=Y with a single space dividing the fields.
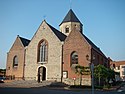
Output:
x=16 y=50
x=75 y=42
x=99 y=58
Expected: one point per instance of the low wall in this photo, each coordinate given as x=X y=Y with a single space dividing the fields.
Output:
x=85 y=81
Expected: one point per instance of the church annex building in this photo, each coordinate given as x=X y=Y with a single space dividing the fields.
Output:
x=52 y=54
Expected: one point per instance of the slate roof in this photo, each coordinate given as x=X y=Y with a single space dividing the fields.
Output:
x=59 y=34
x=24 y=41
x=93 y=45
x=62 y=37
x=70 y=17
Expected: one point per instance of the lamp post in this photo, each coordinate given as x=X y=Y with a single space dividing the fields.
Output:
x=92 y=71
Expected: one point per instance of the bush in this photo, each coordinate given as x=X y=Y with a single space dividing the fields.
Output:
x=86 y=87
x=80 y=86
x=98 y=87
x=107 y=86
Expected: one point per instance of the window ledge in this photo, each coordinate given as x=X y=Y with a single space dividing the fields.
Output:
x=15 y=67
x=42 y=62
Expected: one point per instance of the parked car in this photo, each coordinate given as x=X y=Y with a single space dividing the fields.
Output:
x=2 y=79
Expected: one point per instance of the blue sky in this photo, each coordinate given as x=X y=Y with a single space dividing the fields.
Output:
x=103 y=20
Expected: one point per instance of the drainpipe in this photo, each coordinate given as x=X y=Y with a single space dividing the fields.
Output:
x=62 y=64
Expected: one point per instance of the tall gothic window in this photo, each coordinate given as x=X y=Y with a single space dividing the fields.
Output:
x=74 y=58
x=43 y=51
x=15 y=61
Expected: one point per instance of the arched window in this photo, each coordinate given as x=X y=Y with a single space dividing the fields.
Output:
x=74 y=58
x=15 y=61
x=43 y=51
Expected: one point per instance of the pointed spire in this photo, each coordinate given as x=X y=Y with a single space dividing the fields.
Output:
x=70 y=17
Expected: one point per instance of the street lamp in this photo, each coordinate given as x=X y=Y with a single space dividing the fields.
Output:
x=92 y=71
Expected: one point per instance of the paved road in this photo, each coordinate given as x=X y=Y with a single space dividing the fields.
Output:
x=32 y=87
x=51 y=91
x=122 y=88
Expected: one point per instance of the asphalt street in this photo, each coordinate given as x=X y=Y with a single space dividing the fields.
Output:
x=51 y=91
x=33 y=87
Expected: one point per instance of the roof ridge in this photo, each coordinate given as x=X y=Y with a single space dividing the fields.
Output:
x=24 y=38
x=59 y=34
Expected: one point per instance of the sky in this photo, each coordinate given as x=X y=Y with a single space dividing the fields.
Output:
x=103 y=22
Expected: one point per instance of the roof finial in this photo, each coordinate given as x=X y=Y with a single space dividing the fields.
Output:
x=44 y=17
x=70 y=4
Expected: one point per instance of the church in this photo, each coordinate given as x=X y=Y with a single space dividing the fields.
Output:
x=52 y=54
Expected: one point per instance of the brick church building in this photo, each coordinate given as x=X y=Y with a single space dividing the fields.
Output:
x=52 y=54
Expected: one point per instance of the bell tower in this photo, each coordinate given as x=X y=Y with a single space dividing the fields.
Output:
x=70 y=23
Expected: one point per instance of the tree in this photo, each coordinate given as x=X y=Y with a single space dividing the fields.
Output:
x=100 y=72
x=112 y=74
x=81 y=70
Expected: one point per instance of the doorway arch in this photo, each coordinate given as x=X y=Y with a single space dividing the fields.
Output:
x=41 y=74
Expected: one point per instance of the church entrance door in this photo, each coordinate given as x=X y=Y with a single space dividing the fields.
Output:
x=41 y=74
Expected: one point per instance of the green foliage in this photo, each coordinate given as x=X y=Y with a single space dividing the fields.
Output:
x=111 y=74
x=81 y=70
x=107 y=86
x=2 y=70
x=101 y=71
x=86 y=87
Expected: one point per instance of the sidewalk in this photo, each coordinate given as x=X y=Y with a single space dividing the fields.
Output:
x=24 y=84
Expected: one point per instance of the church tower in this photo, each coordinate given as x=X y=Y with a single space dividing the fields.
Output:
x=70 y=23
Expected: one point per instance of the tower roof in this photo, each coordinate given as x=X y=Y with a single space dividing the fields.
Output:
x=70 y=17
